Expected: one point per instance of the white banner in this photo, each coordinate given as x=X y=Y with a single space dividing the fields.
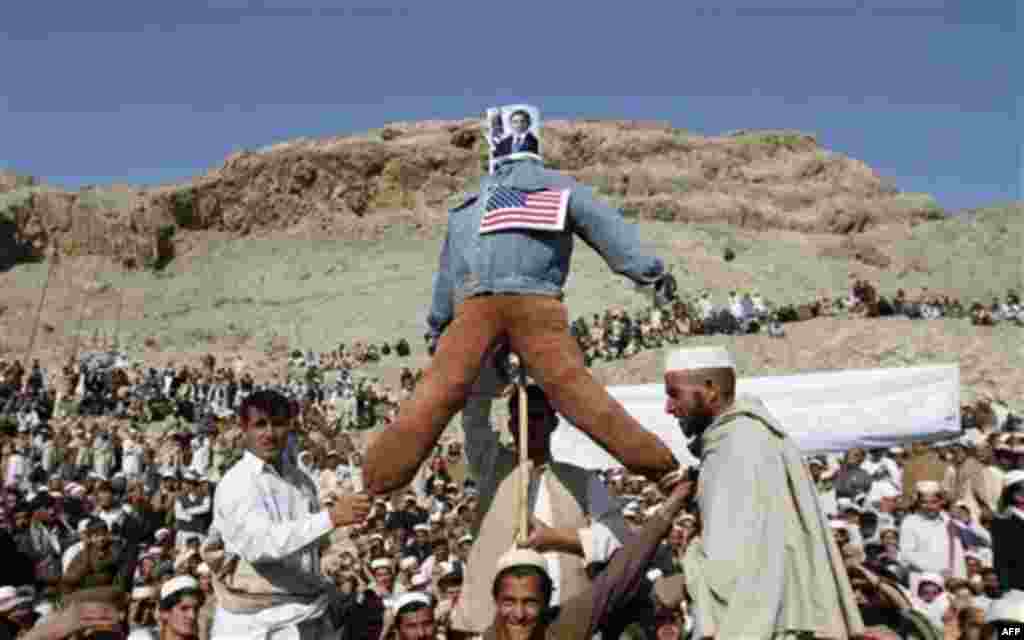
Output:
x=823 y=412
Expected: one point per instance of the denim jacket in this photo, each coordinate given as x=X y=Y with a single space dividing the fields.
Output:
x=530 y=262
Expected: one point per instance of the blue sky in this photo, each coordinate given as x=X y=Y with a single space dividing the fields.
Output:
x=144 y=91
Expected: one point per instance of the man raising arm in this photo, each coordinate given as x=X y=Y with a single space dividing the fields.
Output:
x=267 y=513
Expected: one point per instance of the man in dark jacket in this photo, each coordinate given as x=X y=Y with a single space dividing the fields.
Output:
x=852 y=480
x=1007 y=533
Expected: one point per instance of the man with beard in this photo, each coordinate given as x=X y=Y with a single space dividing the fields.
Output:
x=765 y=565
x=933 y=542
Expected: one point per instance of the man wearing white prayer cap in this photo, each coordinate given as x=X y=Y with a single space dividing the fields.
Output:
x=756 y=497
x=142 y=609
x=413 y=617
x=522 y=587
x=180 y=601
x=383 y=579
x=933 y=542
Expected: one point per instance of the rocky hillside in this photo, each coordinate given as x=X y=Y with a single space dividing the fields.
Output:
x=349 y=186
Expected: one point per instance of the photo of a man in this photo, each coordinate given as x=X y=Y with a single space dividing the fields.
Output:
x=521 y=139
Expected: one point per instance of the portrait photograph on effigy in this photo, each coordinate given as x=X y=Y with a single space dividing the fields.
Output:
x=513 y=132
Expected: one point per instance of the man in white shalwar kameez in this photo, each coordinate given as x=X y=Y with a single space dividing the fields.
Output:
x=201 y=455
x=932 y=542
x=131 y=456
x=766 y=565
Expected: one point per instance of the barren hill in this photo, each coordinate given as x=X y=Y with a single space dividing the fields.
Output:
x=314 y=241
x=348 y=186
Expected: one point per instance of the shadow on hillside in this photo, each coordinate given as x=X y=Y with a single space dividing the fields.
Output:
x=12 y=250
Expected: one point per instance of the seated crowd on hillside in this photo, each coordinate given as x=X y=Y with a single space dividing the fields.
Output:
x=618 y=334
x=109 y=477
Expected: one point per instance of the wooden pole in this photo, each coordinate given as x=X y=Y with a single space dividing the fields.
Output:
x=524 y=458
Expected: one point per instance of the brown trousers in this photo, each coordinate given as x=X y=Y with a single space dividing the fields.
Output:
x=537 y=328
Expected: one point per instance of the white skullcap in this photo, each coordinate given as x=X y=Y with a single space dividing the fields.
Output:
x=985 y=555
x=516 y=557
x=204 y=569
x=1012 y=478
x=44 y=608
x=845 y=504
x=11 y=598
x=1009 y=607
x=699 y=358
x=408 y=562
x=421 y=527
x=175 y=585
x=143 y=593
x=380 y=563
x=929 y=487
x=886 y=520
x=411 y=597
x=881 y=490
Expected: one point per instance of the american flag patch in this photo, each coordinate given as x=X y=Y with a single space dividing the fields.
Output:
x=534 y=210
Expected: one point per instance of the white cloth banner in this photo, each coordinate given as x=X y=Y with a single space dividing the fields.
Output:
x=823 y=412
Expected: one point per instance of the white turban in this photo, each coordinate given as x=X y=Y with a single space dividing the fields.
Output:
x=699 y=358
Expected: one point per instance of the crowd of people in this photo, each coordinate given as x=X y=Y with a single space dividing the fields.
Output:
x=126 y=517
x=618 y=334
x=332 y=384
x=181 y=503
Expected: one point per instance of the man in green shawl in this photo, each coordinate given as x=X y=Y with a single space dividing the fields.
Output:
x=766 y=565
